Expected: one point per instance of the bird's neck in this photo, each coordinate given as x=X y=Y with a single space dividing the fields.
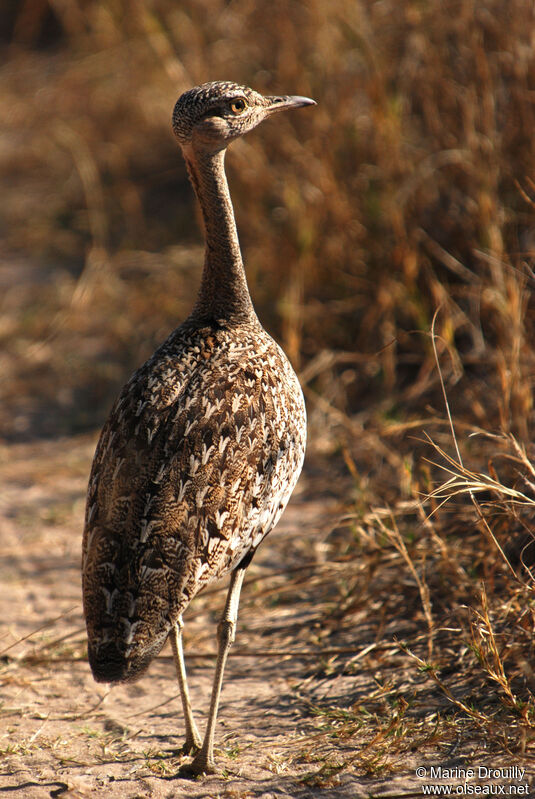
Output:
x=223 y=294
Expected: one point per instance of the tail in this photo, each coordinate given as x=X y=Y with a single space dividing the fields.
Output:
x=111 y=661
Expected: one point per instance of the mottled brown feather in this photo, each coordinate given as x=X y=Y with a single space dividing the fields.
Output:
x=194 y=467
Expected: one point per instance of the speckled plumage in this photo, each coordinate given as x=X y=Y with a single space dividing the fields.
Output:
x=203 y=446
x=194 y=467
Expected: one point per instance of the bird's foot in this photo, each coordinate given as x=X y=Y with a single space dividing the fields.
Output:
x=201 y=764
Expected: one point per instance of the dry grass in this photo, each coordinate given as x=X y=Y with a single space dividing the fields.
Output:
x=408 y=189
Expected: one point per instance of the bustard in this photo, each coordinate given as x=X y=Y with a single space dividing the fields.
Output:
x=203 y=446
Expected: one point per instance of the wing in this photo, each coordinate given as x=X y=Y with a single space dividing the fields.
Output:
x=194 y=466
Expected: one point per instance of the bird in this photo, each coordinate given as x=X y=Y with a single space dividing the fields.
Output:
x=202 y=448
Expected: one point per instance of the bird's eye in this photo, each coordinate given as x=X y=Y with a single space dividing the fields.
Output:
x=238 y=106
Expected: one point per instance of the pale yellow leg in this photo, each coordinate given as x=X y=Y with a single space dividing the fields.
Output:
x=203 y=762
x=193 y=738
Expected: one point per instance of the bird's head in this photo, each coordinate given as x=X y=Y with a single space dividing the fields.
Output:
x=210 y=116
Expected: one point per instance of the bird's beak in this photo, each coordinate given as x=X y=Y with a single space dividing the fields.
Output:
x=282 y=103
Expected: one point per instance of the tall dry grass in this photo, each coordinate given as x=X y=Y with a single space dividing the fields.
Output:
x=407 y=188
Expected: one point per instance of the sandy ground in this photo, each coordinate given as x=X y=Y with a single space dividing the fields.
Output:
x=61 y=734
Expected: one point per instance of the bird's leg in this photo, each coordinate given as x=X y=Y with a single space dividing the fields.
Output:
x=193 y=738
x=203 y=762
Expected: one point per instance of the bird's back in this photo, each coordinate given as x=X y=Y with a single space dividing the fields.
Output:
x=194 y=466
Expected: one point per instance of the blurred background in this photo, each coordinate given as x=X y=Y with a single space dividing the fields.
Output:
x=408 y=191
x=409 y=188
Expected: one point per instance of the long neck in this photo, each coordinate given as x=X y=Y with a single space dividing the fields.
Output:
x=223 y=294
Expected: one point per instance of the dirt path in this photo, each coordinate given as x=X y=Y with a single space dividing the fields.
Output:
x=62 y=734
